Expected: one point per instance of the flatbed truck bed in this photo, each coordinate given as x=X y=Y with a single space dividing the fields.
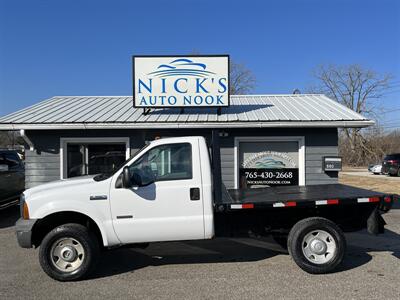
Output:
x=277 y=209
x=284 y=196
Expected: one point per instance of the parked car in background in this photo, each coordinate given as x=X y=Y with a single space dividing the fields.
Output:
x=12 y=177
x=377 y=169
x=370 y=167
x=391 y=164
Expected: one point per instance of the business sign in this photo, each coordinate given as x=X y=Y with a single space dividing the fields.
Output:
x=268 y=168
x=180 y=81
x=333 y=163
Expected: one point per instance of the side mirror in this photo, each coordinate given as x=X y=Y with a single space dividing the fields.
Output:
x=137 y=179
x=126 y=178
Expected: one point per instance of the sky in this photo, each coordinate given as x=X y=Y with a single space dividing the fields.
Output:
x=67 y=47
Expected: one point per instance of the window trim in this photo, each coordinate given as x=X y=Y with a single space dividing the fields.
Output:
x=162 y=145
x=88 y=140
x=302 y=153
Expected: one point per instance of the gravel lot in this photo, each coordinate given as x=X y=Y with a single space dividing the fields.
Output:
x=363 y=179
x=224 y=269
x=372 y=176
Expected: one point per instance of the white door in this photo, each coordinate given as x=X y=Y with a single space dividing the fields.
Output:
x=163 y=210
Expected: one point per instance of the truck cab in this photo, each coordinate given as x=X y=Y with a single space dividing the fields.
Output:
x=169 y=193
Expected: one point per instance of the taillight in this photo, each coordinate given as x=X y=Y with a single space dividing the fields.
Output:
x=392 y=161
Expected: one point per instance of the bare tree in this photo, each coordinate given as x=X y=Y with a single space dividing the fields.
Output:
x=242 y=79
x=10 y=139
x=359 y=89
x=356 y=87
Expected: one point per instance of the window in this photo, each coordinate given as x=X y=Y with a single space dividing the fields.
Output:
x=89 y=156
x=10 y=159
x=92 y=159
x=165 y=162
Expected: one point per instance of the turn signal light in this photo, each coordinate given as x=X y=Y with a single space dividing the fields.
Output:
x=25 y=211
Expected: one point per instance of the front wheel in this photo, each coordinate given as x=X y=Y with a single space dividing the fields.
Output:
x=68 y=252
x=317 y=245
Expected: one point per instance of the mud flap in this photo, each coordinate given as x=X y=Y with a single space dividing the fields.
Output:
x=375 y=222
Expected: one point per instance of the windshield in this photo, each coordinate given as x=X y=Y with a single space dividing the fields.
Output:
x=104 y=176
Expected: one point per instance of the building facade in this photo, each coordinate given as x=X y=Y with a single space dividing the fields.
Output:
x=265 y=140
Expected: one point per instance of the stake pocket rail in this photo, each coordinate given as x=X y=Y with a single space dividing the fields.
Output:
x=302 y=196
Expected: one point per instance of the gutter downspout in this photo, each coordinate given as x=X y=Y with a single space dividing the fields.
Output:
x=26 y=139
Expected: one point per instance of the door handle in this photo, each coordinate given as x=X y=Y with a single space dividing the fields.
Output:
x=194 y=194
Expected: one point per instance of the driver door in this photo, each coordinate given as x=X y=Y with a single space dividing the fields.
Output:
x=161 y=209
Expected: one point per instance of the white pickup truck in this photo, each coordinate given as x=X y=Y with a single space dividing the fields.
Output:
x=171 y=190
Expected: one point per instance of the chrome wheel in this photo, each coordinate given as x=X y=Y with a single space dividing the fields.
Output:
x=67 y=254
x=319 y=247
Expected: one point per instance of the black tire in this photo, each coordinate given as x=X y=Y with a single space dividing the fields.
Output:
x=295 y=244
x=79 y=233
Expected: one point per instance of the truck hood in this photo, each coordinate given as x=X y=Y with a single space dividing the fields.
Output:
x=59 y=184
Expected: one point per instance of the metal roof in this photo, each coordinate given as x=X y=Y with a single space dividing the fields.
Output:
x=90 y=112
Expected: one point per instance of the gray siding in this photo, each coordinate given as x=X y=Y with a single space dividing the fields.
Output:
x=43 y=164
x=314 y=172
x=227 y=164
x=41 y=167
x=320 y=143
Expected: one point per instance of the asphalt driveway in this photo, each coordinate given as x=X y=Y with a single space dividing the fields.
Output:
x=243 y=269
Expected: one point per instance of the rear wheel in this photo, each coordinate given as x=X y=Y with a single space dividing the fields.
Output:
x=317 y=245
x=68 y=252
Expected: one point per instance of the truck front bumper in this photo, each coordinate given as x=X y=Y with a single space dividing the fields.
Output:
x=23 y=229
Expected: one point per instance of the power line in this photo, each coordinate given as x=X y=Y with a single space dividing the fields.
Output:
x=383 y=120
x=391 y=110
x=391 y=92
x=392 y=86
x=391 y=126
x=389 y=123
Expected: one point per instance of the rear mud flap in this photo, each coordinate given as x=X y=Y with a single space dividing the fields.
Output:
x=375 y=223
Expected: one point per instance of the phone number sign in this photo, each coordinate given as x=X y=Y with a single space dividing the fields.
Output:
x=270 y=177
